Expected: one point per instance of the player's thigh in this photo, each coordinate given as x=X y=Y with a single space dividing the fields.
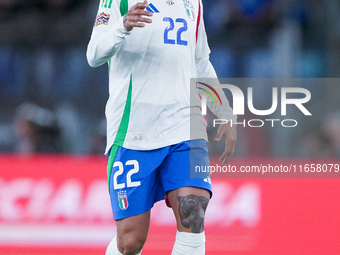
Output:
x=189 y=205
x=133 y=231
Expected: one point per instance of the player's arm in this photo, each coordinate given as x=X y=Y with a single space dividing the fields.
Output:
x=206 y=70
x=111 y=29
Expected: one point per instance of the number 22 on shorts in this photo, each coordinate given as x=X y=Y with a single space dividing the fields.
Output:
x=129 y=183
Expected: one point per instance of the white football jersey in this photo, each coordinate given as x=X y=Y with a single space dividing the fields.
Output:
x=150 y=70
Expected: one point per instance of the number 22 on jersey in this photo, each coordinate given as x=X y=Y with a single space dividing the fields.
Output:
x=171 y=27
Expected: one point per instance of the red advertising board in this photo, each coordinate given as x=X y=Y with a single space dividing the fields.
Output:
x=60 y=205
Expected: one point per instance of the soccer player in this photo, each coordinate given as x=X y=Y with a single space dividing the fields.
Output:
x=152 y=50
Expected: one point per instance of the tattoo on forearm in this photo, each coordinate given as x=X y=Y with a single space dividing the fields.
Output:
x=192 y=210
x=124 y=19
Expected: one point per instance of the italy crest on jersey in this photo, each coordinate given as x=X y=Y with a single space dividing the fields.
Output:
x=189 y=8
x=122 y=199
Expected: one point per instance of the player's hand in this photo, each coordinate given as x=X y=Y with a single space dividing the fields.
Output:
x=134 y=17
x=230 y=135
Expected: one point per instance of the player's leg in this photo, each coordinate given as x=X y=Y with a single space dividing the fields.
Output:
x=189 y=205
x=131 y=235
x=133 y=187
x=188 y=197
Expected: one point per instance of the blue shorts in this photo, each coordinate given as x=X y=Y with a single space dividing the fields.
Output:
x=138 y=179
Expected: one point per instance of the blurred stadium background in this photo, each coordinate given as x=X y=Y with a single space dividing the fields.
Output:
x=53 y=195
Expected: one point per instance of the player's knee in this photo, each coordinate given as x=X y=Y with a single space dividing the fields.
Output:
x=131 y=244
x=192 y=212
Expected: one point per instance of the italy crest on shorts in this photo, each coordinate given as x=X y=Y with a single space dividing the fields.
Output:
x=122 y=200
x=189 y=8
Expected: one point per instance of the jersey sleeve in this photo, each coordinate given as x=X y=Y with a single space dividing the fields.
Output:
x=108 y=34
x=206 y=70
